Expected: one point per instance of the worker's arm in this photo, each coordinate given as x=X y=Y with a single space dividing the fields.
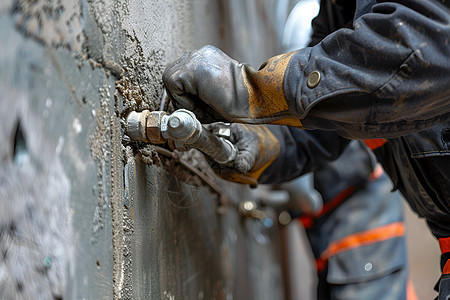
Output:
x=386 y=77
x=301 y=152
x=275 y=154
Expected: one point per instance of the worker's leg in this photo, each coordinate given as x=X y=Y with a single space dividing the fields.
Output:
x=360 y=246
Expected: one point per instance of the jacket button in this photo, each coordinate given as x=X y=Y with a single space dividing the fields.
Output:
x=368 y=267
x=313 y=79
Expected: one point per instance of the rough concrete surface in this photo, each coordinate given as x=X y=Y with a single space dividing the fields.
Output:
x=85 y=215
x=57 y=98
x=34 y=234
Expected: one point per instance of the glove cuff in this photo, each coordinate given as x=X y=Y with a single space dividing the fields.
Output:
x=267 y=103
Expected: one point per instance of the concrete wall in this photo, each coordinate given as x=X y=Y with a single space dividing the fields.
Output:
x=87 y=215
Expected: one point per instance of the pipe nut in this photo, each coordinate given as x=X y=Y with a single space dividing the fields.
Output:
x=135 y=125
x=247 y=207
x=153 y=127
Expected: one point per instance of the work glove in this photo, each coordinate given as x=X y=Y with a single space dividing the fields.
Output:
x=218 y=88
x=257 y=149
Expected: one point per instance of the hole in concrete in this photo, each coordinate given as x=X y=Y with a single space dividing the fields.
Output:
x=98 y=263
x=20 y=149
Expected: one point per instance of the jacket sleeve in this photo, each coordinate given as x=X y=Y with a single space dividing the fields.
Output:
x=386 y=77
x=301 y=152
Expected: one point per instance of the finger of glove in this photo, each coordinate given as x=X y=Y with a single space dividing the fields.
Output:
x=247 y=144
x=204 y=115
x=244 y=137
x=246 y=156
x=180 y=84
x=244 y=161
x=171 y=75
x=182 y=92
x=202 y=82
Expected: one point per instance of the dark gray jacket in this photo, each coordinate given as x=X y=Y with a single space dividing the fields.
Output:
x=385 y=76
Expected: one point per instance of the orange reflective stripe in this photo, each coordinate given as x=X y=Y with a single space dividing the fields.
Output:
x=444 y=244
x=360 y=239
x=336 y=201
x=307 y=220
x=410 y=292
x=366 y=238
x=375 y=143
x=446 y=269
x=347 y=192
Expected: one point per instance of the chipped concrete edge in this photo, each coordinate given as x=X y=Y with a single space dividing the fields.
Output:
x=117 y=208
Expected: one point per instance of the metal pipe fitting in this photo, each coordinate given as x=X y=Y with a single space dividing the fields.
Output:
x=145 y=126
x=136 y=124
x=183 y=128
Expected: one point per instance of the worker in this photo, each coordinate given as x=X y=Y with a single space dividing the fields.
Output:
x=386 y=76
x=358 y=236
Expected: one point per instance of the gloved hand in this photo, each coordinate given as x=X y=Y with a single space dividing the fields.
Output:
x=218 y=88
x=257 y=149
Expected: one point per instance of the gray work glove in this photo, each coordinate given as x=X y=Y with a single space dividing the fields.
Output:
x=218 y=88
x=257 y=149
